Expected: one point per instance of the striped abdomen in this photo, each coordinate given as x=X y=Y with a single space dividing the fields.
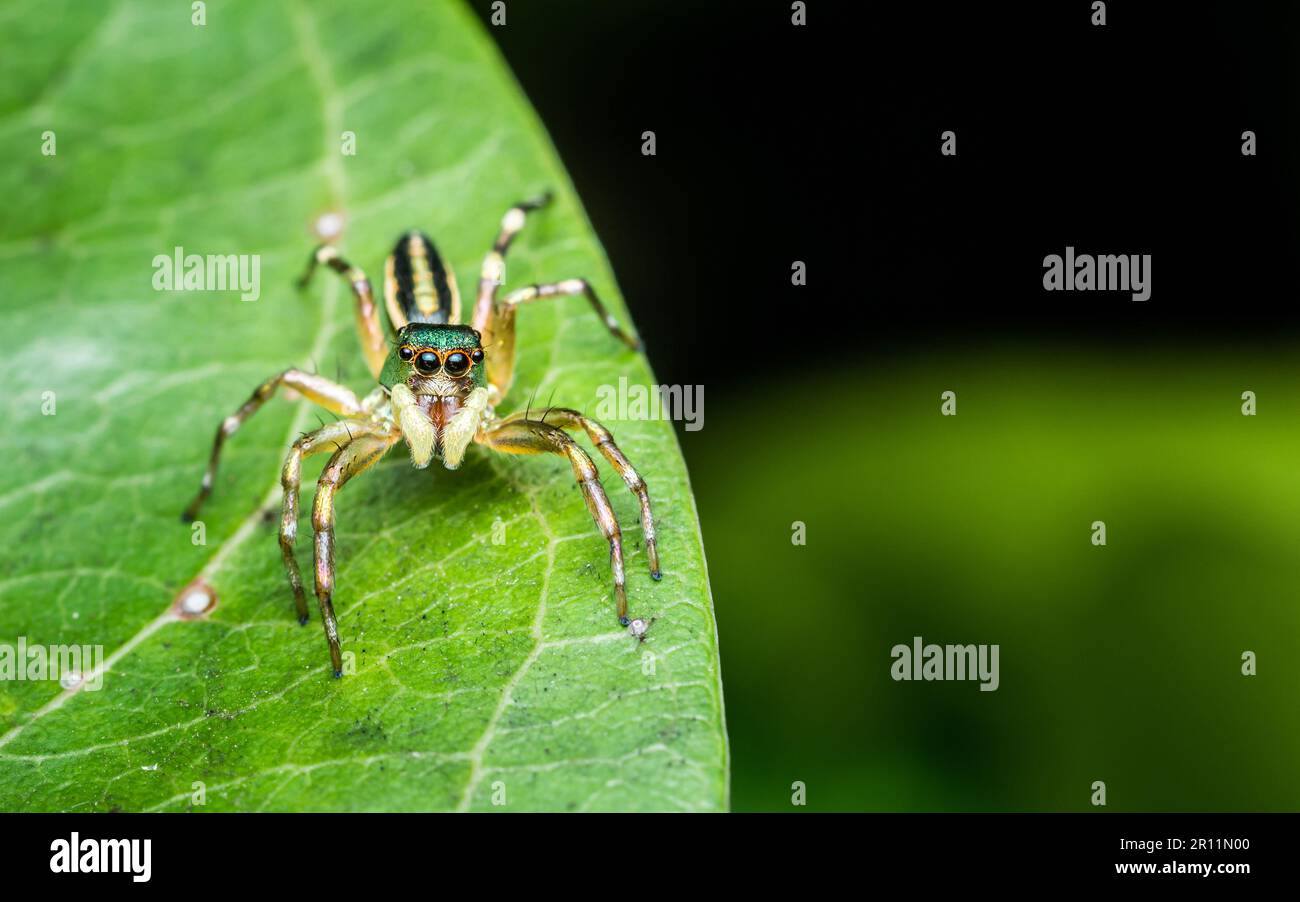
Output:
x=418 y=286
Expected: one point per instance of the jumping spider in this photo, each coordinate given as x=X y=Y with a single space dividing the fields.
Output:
x=437 y=389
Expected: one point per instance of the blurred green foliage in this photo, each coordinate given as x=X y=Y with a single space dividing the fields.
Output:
x=1119 y=663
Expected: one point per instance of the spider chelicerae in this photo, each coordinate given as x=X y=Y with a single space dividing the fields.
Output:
x=439 y=382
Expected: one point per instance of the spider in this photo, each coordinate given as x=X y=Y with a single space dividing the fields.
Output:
x=438 y=387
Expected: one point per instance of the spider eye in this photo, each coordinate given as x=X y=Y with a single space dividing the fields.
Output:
x=405 y=353
x=476 y=356
x=457 y=363
x=427 y=363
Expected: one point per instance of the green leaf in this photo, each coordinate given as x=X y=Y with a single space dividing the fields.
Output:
x=483 y=670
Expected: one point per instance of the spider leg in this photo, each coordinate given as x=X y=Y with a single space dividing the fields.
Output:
x=566 y=418
x=331 y=436
x=374 y=340
x=494 y=317
x=322 y=391
x=535 y=437
x=349 y=460
x=499 y=337
x=494 y=264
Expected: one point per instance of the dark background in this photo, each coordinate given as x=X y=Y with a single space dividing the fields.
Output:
x=821 y=143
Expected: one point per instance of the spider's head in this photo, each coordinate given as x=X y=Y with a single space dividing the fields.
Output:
x=435 y=377
x=435 y=359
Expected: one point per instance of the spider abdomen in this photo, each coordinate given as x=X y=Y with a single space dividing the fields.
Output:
x=420 y=285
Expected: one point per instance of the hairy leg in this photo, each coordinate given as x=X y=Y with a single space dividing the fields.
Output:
x=330 y=437
x=374 y=340
x=347 y=462
x=325 y=392
x=494 y=317
x=494 y=264
x=536 y=437
x=499 y=338
x=601 y=437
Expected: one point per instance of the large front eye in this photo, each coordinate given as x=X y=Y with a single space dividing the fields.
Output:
x=427 y=363
x=457 y=363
